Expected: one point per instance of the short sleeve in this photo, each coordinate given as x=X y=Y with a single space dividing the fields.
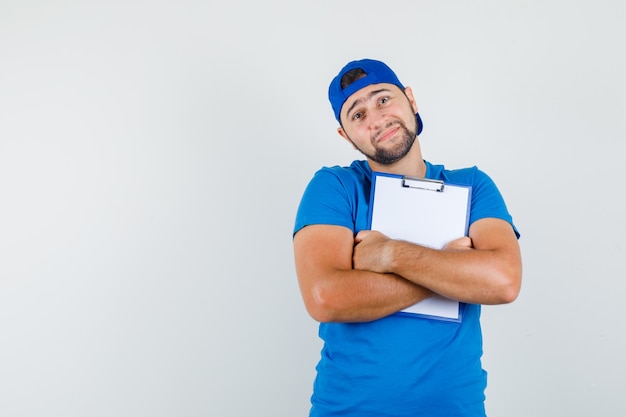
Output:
x=325 y=201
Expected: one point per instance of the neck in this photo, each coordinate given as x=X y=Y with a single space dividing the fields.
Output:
x=412 y=164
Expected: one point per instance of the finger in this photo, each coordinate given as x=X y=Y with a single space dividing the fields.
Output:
x=461 y=243
x=361 y=235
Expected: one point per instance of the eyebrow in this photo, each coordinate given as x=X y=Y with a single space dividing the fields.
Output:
x=369 y=96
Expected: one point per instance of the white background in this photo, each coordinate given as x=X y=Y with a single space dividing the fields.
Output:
x=153 y=153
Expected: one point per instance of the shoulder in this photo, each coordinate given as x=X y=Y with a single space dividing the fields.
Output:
x=357 y=171
x=462 y=176
x=335 y=195
x=486 y=199
x=341 y=178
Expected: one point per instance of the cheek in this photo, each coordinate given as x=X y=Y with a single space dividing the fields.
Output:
x=360 y=136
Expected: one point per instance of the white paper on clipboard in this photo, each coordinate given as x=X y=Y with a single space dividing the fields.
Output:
x=426 y=212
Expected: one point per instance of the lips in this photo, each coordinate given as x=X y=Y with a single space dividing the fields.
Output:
x=386 y=134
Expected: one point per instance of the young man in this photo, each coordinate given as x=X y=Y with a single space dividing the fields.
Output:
x=353 y=281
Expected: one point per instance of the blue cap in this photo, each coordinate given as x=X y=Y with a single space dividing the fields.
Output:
x=376 y=73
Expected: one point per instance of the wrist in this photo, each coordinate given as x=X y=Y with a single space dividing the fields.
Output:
x=390 y=255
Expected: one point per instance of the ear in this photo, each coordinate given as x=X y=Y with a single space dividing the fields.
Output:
x=343 y=134
x=409 y=94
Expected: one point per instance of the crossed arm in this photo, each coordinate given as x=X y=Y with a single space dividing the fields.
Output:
x=347 y=279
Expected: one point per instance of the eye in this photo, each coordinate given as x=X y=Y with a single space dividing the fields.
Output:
x=383 y=100
x=357 y=116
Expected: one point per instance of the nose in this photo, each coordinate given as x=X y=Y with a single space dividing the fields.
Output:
x=377 y=119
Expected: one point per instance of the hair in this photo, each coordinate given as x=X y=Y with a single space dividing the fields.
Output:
x=351 y=76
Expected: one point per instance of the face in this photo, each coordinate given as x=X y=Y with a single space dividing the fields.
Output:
x=379 y=121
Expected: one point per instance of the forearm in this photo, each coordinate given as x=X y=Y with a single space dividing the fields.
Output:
x=334 y=291
x=471 y=276
x=360 y=296
x=484 y=268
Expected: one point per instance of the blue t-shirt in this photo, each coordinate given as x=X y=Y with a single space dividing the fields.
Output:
x=397 y=365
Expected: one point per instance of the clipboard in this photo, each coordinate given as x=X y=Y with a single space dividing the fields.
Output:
x=425 y=212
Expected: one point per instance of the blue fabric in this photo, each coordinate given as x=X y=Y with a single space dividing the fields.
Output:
x=397 y=365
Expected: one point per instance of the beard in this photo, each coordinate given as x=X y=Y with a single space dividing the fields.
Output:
x=387 y=156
